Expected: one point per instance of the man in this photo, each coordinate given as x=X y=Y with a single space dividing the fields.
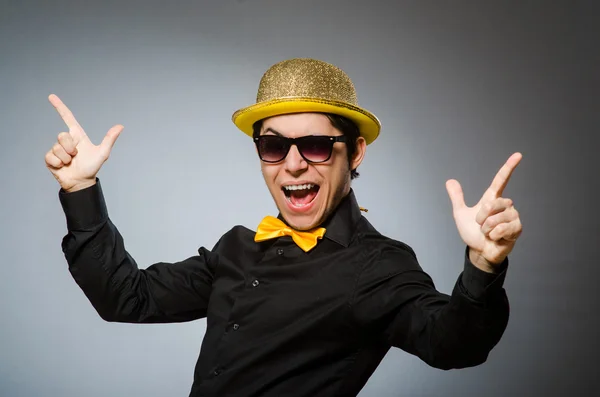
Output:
x=310 y=303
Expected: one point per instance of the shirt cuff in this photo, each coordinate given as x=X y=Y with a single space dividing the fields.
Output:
x=84 y=208
x=478 y=284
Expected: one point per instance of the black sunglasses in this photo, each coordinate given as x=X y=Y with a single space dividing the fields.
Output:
x=312 y=148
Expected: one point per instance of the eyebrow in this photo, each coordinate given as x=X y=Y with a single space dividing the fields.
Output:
x=280 y=134
x=273 y=131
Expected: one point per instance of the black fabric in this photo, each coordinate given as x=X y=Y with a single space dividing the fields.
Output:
x=284 y=322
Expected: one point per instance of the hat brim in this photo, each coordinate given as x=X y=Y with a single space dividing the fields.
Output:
x=367 y=123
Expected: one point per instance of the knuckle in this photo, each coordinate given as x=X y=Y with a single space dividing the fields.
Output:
x=488 y=224
x=66 y=141
x=52 y=160
x=519 y=227
x=501 y=228
x=517 y=232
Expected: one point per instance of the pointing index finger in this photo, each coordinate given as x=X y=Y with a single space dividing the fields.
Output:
x=64 y=113
x=502 y=177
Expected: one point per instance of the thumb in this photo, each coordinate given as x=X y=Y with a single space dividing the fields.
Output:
x=110 y=138
x=456 y=194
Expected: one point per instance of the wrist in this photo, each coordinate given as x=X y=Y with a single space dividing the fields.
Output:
x=80 y=185
x=480 y=262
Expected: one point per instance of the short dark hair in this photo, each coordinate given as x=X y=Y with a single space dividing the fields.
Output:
x=348 y=128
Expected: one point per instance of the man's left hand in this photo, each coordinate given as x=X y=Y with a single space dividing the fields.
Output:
x=492 y=226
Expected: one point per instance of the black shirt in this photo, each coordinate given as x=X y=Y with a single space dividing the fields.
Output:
x=284 y=322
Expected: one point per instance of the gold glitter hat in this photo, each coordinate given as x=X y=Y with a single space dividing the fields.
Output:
x=307 y=85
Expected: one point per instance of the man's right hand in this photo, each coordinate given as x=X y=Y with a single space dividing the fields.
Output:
x=74 y=160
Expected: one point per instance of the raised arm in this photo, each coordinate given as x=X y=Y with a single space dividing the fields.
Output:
x=95 y=251
x=399 y=302
x=111 y=279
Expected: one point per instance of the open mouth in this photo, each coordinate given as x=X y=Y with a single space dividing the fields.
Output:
x=300 y=195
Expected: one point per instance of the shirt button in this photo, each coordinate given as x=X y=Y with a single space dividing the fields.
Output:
x=280 y=251
x=255 y=283
x=236 y=327
x=216 y=372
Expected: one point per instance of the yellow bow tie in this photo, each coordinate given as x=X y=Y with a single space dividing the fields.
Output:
x=271 y=227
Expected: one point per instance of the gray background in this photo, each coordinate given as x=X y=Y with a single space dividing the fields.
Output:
x=458 y=86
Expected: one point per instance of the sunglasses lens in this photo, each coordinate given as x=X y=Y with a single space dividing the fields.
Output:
x=272 y=148
x=316 y=148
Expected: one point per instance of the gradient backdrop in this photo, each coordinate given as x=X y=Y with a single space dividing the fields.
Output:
x=458 y=86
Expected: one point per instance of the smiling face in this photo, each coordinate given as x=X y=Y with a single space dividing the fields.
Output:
x=307 y=193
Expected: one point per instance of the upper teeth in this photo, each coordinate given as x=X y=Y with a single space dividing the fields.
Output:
x=299 y=187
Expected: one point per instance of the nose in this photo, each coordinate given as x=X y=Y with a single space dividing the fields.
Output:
x=294 y=162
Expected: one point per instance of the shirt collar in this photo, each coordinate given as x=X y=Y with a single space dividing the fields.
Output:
x=342 y=222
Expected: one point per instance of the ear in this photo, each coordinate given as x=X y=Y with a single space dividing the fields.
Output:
x=361 y=148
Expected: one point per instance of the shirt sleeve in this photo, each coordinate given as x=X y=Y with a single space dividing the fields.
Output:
x=396 y=301
x=478 y=284
x=110 y=277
